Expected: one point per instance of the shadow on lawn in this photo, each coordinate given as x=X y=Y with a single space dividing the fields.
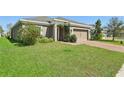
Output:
x=67 y=50
x=16 y=43
x=20 y=45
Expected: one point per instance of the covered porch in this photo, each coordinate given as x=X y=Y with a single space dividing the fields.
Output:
x=60 y=31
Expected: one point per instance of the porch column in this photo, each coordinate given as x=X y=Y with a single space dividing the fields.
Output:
x=55 y=32
x=72 y=30
x=89 y=36
x=58 y=34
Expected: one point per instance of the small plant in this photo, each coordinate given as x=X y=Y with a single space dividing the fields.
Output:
x=45 y=40
x=73 y=38
x=51 y=39
x=100 y=36
x=70 y=38
x=121 y=42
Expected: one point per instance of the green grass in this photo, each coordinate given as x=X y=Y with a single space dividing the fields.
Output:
x=55 y=59
x=112 y=42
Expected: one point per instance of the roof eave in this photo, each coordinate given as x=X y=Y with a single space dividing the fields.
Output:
x=37 y=22
x=80 y=25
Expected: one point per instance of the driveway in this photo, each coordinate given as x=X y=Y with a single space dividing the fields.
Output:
x=99 y=44
x=104 y=45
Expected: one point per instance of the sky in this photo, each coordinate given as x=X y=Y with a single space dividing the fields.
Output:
x=4 y=20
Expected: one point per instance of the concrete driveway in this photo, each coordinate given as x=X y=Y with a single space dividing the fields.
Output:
x=104 y=45
x=99 y=44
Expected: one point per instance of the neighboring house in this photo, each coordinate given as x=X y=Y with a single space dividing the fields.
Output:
x=50 y=27
x=120 y=36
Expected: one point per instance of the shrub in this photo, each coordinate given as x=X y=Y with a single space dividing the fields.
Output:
x=98 y=36
x=67 y=38
x=29 y=34
x=8 y=37
x=121 y=42
x=45 y=40
x=28 y=39
x=73 y=38
x=51 y=39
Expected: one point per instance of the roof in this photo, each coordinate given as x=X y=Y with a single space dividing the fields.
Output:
x=48 y=20
x=74 y=23
x=39 y=18
x=61 y=18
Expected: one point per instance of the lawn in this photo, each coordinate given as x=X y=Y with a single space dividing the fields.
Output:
x=56 y=59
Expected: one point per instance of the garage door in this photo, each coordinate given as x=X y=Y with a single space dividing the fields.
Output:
x=81 y=35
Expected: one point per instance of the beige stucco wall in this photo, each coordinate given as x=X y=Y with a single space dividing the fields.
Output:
x=43 y=30
x=47 y=31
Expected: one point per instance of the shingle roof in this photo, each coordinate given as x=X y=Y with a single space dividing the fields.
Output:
x=48 y=19
x=61 y=18
x=39 y=18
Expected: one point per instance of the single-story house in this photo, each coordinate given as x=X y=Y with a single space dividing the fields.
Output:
x=51 y=27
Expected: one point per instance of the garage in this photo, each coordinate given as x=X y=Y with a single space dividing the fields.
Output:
x=82 y=35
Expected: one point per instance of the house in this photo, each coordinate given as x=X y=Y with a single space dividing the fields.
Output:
x=120 y=36
x=51 y=27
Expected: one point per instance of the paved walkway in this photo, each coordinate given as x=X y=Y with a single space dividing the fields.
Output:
x=120 y=72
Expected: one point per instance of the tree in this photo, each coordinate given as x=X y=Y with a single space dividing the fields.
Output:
x=1 y=30
x=115 y=26
x=9 y=26
x=96 y=32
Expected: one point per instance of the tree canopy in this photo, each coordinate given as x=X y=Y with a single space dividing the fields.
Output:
x=1 y=29
x=98 y=28
x=96 y=32
x=115 y=26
